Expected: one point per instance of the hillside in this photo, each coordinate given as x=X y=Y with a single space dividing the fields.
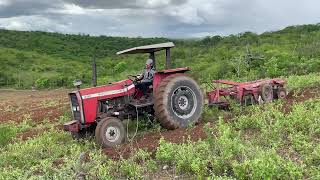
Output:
x=49 y=60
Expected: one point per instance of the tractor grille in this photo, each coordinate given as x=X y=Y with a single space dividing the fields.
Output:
x=75 y=108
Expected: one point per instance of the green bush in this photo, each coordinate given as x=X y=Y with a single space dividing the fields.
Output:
x=7 y=133
x=190 y=157
x=298 y=82
x=267 y=165
x=138 y=165
x=120 y=67
x=42 y=83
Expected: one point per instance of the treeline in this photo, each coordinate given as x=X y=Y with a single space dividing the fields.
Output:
x=50 y=60
x=67 y=45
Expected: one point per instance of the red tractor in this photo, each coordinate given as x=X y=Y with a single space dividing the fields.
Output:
x=176 y=101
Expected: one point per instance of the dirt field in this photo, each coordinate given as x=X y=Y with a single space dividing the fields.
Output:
x=38 y=105
x=43 y=106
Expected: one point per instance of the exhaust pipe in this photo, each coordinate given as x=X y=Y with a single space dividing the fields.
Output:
x=94 y=71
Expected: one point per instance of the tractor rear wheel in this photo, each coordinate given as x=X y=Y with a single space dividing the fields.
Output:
x=110 y=132
x=178 y=102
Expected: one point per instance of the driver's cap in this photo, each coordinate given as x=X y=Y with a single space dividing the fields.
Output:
x=149 y=62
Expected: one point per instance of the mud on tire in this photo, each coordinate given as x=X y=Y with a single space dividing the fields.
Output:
x=178 y=102
x=110 y=132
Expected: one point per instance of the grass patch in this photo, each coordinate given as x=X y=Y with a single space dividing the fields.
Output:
x=303 y=81
x=54 y=155
x=263 y=143
x=7 y=133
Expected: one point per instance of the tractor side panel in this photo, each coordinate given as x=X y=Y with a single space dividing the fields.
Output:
x=91 y=97
x=90 y=107
x=158 y=77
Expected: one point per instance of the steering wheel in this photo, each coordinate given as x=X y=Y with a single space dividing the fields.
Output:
x=133 y=78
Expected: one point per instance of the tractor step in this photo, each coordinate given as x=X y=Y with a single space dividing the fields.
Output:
x=141 y=104
x=72 y=126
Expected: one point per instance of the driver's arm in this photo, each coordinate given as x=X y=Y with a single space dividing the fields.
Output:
x=139 y=78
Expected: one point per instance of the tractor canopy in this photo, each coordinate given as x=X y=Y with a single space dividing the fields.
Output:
x=151 y=49
x=147 y=49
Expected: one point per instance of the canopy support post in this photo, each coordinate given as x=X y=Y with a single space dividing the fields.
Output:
x=168 y=60
x=152 y=56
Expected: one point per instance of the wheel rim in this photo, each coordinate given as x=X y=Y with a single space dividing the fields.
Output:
x=282 y=94
x=112 y=133
x=183 y=102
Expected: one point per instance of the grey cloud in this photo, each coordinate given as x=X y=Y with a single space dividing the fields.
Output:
x=35 y=22
x=122 y=4
x=169 y=18
x=28 y=7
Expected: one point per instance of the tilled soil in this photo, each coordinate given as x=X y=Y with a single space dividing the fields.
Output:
x=303 y=95
x=18 y=105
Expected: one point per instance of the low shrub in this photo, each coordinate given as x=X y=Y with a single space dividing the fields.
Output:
x=302 y=81
x=267 y=165
x=7 y=134
x=188 y=158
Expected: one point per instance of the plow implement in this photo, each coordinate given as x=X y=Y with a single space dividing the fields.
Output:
x=246 y=93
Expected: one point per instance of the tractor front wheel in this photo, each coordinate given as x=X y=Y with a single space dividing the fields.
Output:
x=178 y=102
x=110 y=132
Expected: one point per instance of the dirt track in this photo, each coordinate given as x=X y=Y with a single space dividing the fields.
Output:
x=49 y=105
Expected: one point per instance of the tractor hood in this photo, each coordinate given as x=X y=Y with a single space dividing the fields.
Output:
x=121 y=88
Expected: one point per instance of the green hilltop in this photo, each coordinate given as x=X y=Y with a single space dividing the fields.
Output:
x=50 y=60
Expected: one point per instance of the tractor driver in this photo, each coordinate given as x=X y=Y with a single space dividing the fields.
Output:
x=146 y=77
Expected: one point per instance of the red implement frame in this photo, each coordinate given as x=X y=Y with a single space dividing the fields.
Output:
x=239 y=90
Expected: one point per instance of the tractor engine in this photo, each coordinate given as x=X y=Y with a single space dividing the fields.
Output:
x=113 y=107
x=91 y=104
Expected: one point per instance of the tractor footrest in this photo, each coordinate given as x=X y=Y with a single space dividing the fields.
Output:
x=140 y=104
x=72 y=126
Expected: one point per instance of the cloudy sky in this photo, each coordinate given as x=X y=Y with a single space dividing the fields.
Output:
x=150 y=18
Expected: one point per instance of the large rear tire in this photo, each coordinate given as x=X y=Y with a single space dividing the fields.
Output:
x=178 y=102
x=110 y=132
